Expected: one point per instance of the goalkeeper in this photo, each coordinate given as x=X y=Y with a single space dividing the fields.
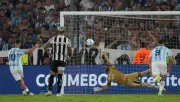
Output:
x=124 y=79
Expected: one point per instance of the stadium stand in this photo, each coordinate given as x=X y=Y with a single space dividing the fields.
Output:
x=34 y=21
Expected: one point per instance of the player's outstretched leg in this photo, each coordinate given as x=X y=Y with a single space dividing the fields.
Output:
x=24 y=87
x=51 y=81
x=144 y=73
x=151 y=86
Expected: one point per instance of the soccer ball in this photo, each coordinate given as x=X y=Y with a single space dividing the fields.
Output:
x=89 y=42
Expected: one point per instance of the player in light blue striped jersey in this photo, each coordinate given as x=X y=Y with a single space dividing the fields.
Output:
x=15 y=64
x=158 y=65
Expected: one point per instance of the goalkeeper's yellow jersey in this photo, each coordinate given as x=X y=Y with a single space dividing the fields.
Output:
x=124 y=79
x=116 y=76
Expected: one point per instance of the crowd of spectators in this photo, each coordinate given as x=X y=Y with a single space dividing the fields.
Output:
x=34 y=21
x=37 y=20
x=126 y=33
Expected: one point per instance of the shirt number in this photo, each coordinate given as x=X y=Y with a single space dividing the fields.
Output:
x=12 y=57
x=157 y=52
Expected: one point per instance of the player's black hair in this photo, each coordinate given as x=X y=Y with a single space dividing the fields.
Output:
x=17 y=41
x=161 y=41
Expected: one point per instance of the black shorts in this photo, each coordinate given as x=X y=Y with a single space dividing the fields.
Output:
x=137 y=82
x=56 y=64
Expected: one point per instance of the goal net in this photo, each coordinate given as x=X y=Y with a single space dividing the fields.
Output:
x=124 y=33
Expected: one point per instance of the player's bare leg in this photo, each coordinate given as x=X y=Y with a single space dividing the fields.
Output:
x=162 y=84
x=60 y=80
x=24 y=87
x=51 y=81
x=23 y=92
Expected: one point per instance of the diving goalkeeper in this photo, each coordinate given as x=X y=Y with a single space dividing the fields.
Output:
x=124 y=79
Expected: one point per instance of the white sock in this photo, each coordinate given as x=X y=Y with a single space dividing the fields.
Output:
x=26 y=90
x=23 y=92
x=162 y=83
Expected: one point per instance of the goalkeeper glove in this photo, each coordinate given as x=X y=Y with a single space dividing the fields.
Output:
x=97 y=89
x=101 y=46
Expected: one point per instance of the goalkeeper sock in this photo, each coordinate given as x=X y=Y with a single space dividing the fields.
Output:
x=162 y=83
x=147 y=85
x=51 y=81
x=59 y=83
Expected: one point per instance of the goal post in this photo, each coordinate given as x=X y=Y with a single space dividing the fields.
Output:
x=124 y=33
x=105 y=13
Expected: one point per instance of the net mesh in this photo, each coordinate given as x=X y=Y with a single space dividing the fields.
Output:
x=123 y=32
x=123 y=36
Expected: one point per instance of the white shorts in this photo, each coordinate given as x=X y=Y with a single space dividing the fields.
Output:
x=17 y=73
x=159 y=68
x=60 y=68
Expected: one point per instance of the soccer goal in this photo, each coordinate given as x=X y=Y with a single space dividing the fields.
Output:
x=124 y=33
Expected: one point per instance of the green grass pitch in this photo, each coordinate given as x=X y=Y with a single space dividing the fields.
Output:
x=93 y=98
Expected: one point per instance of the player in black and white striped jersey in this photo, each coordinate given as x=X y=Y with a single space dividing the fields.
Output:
x=61 y=50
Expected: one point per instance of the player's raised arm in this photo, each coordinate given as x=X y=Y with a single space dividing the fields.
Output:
x=107 y=86
x=49 y=42
x=32 y=49
x=101 y=46
x=107 y=59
